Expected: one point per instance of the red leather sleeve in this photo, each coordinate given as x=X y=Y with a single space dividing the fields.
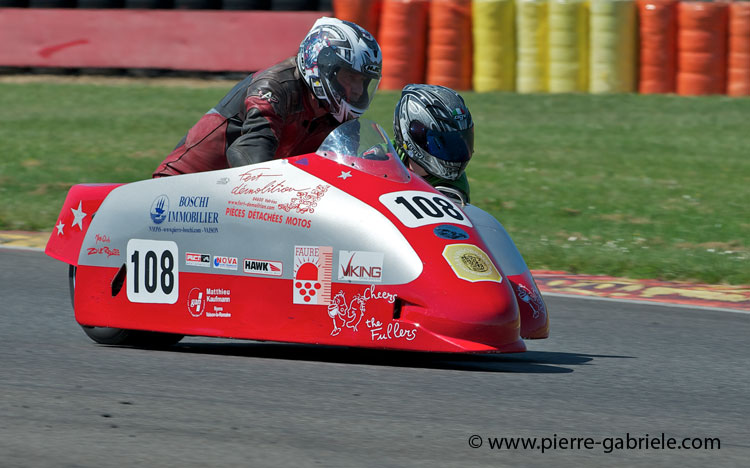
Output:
x=267 y=105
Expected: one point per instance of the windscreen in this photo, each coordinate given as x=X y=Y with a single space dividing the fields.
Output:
x=363 y=145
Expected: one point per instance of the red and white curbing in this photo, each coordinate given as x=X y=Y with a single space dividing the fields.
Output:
x=556 y=282
x=625 y=289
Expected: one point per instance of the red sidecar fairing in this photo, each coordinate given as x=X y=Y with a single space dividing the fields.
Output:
x=436 y=292
x=82 y=201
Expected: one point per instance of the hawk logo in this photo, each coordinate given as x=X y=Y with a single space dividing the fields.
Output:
x=267 y=96
x=263 y=267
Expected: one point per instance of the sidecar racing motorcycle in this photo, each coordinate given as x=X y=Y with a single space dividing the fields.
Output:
x=340 y=247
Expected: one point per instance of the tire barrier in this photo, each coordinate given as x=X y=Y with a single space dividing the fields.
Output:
x=52 y=3
x=100 y=4
x=527 y=46
x=449 y=44
x=531 y=65
x=294 y=5
x=494 y=34
x=658 y=50
x=738 y=57
x=613 y=46
x=403 y=40
x=365 y=13
x=701 y=48
x=197 y=4
x=149 y=4
x=239 y=5
x=568 y=46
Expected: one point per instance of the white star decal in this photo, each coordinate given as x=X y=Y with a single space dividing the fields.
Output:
x=59 y=228
x=78 y=216
x=345 y=175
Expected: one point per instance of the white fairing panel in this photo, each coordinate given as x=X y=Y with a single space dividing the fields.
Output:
x=247 y=221
x=501 y=246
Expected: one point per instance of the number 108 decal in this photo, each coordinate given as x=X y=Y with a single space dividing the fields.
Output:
x=415 y=208
x=152 y=271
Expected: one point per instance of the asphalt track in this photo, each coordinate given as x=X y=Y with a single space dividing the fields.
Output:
x=610 y=369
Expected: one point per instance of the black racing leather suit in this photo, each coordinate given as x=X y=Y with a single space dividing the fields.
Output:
x=271 y=114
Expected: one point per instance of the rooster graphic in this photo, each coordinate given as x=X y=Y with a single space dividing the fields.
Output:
x=305 y=202
x=345 y=315
x=530 y=297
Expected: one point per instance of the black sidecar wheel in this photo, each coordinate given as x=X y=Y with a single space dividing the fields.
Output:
x=108 y=336
x=119 y=336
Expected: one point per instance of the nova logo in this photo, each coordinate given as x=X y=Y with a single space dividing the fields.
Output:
x=226 y=263
x=360 y=266
x=263 y=267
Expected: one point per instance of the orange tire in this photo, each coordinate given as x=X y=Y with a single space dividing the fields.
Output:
x=738 y=56
x=701 y=48
x=365 y=13
x=403 y=39
x=658 y=46
x=449 y=54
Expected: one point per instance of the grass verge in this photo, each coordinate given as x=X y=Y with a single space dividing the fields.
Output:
x=625 y=185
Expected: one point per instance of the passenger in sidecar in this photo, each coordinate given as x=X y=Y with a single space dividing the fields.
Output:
x=434 y=136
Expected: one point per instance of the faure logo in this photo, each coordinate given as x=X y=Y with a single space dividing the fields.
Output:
x=159 y=209
x=313 y=268
x=360 y=266
x=197 y=259
x=226 y=263
x=263 y=267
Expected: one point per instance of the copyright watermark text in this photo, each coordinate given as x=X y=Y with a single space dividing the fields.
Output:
x=604 y=444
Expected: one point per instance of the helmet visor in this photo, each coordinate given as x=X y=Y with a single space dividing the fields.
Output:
x=354 y=87
x=453 y=146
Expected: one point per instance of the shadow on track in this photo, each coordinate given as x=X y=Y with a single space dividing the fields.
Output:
x=531 y=362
